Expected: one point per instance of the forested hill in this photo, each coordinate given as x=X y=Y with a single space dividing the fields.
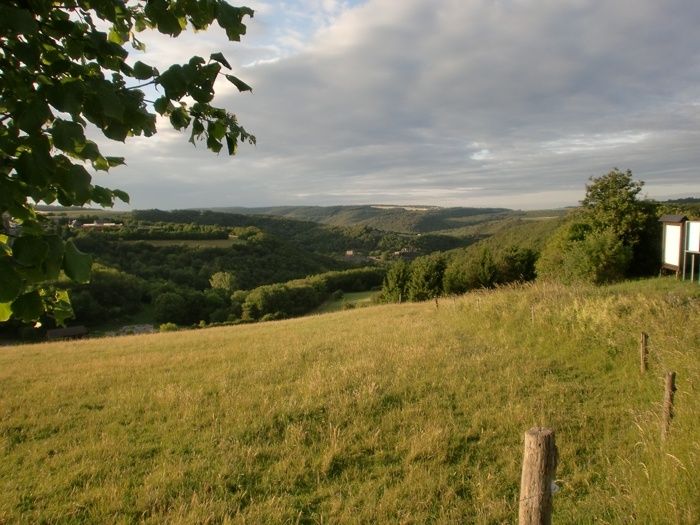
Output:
x=312 y=236
x=406 y=219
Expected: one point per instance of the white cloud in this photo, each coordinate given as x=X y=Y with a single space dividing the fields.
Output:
x=397 y=100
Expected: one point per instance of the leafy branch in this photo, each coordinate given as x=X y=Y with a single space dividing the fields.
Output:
x=58 y=73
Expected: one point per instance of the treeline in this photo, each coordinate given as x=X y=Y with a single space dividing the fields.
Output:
x=145 y=231
x=255 y=257
x=449 y=274
x=419 y=219
x=613 y=235
x=274 y=301
x=312 y=236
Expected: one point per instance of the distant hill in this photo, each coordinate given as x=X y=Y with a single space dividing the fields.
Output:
x=403 y=219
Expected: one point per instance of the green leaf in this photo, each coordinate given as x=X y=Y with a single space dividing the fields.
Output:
x=28 y=307
x=5 y=245
x=231 y=144
x=32 y=167
x=143 y=71
x=116 y=131
x=180 y=118
x=78 y=184
x=33 y=116
x=214 y=144
x=66 y=96
x=10 y=281
x=68 y=136
x=102 y=196
x=221 y=59
x=77 y=264
x=112 y=105
x=89 y=151
x=229 y=18
x=19 y=21
x=122 y=196
x=162 y=105
x=29 y=250
x=117 y=37
x=100 y=163
x=242 y=86
x=174 y=82
x=115 y=161
x=5 y=312
x=54 y=257
x=62 y=308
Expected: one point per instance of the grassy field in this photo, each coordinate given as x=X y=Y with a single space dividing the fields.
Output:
x=348 y=301
x=388 y=414
x=190 y=243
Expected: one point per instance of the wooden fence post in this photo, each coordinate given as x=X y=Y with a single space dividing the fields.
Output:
x=644 y=352
x=539 y=467
x=669 y=390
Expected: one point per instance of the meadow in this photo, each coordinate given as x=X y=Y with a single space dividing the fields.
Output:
x=403 y=413
x=348 y=301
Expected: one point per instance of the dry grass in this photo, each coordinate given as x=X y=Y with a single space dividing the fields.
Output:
x=399 y=413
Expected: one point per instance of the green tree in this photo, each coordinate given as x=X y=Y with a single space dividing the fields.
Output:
x=170 y=307
x=612 y=203
x=395 y=287
x=224 y=281
x=64 y=65
x=600 y=240
x=426 y=277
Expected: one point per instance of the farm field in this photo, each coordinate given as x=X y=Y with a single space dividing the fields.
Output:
x=406 y=413
x=190 y=243
x=348 y=301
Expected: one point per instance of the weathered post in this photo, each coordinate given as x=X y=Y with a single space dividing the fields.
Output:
x=669 y=390
x=437 y=304
x=644 y=352
x=539 y=467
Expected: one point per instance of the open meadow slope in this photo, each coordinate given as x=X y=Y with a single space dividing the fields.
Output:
x=391 y=414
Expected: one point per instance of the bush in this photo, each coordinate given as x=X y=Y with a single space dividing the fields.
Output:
x=600 y=241
x=170 y=307
x=168 y=327
x=577 y=254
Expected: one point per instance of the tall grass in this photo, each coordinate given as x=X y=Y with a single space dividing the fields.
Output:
x=397 y=413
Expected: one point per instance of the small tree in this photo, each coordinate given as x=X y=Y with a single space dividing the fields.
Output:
x=426 y=277
x=597 y=244
x=224 y=281
x=395 y=287
x=612 y=203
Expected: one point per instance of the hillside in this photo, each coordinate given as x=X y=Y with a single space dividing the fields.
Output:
x=389 y=414
x=404 y=219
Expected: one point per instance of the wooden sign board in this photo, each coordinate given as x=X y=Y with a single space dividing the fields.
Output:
x=692 y=236
x=672 y=245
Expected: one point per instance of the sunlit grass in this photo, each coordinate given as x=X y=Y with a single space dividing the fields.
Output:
x=348 y=301
x=400 y=413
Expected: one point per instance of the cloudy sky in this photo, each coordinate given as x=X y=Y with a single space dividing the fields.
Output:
x=511 y=103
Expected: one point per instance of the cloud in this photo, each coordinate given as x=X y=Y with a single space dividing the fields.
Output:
x=479 y=102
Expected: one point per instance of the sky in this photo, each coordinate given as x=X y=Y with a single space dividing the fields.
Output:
x=494 y=103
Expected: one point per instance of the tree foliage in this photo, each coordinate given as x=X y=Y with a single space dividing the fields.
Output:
x=603 y=238
x=65 y=66
x=612 y=203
